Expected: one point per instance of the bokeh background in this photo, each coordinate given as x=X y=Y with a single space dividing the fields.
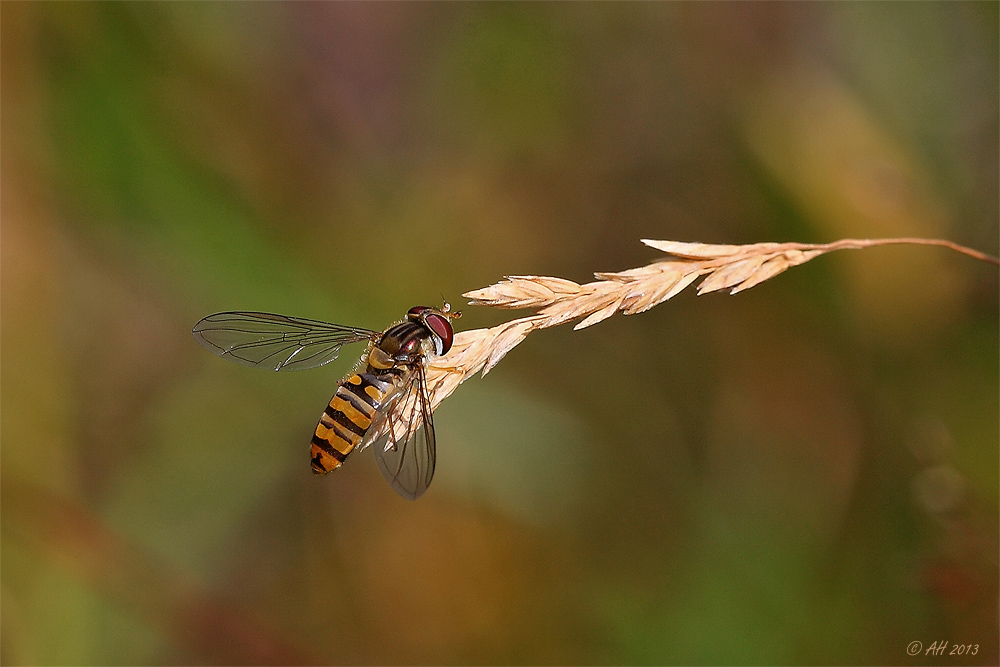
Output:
x=805 y=473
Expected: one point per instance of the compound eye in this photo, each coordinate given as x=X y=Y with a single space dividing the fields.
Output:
x=442 y=329
x=415 y=312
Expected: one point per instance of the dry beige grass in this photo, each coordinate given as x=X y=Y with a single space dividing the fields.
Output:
x=556 y=301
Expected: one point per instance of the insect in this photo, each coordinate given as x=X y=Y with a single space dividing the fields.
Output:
x=384 y=403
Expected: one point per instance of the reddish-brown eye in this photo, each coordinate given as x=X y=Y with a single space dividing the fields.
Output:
x=414 y=313
x=442 y=327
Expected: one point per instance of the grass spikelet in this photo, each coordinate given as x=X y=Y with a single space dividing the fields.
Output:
x=557 y=301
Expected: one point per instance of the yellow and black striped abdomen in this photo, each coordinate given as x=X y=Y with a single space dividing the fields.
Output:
x=343 y=424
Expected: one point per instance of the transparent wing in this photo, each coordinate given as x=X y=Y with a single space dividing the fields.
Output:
x=406 y=453
x=275 y=342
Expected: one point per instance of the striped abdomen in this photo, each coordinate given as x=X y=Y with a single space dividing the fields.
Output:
x=346 y=420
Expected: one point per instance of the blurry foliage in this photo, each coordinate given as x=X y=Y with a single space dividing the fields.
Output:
x=802 y=474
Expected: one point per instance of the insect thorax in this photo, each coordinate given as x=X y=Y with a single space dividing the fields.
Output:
x=405 y=339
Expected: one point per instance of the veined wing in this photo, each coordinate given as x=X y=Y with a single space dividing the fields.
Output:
x=275 y=342
x=406 y=453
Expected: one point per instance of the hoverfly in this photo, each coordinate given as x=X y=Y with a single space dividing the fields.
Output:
x=385 y=402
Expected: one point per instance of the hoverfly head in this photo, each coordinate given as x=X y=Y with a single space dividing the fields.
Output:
x=438 y=323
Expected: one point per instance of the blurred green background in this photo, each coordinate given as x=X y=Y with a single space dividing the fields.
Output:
x=805 y=473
